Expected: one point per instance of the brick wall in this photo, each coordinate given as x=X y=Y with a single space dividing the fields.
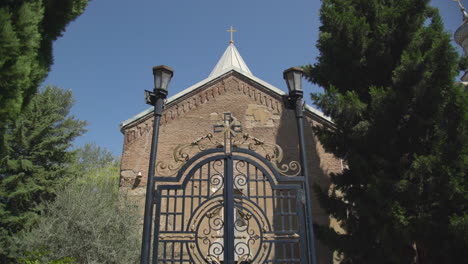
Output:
x=262 y=115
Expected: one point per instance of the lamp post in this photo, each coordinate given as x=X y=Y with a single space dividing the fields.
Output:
x=162 y=77
x=293 y=78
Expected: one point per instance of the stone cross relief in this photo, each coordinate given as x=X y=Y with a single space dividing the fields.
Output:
x=228 y=128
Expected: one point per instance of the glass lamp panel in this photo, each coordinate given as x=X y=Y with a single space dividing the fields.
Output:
x=297 y=81
x=290 y=80
x=157 y=80
x=166 y=78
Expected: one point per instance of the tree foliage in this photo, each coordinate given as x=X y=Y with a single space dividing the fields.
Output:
x=27 y=31
x=89 y=221
x=91 y=157
x=388 y=70
x=36 y=256
x=37 y=160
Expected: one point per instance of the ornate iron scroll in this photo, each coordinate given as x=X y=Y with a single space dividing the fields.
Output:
x=264 y=214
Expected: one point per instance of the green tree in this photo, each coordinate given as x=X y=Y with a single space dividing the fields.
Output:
x=388 y=70
x=89 y=221
x=37 y=160
x=91 y=157
x=27 y=31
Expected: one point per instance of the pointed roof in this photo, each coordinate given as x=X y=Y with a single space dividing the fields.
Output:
x=231 y=60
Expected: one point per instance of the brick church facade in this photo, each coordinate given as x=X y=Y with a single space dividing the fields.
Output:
x=256 y=105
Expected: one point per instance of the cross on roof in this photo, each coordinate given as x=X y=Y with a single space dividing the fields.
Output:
x=231 y=30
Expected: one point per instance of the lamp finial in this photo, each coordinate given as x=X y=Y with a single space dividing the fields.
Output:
x=463 y=10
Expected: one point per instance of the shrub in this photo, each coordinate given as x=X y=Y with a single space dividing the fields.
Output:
x=90 y=221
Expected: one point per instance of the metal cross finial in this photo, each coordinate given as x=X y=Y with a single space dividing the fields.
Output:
x=231 y=30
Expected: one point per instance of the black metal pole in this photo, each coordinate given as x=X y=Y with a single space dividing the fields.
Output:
x=299 y=105
x=159 y=96
x=229 y=224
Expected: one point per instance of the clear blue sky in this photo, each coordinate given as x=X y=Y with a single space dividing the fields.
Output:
x=106 y=55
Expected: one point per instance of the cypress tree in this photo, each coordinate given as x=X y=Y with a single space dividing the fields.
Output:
x=38 y=160
x=388 y=70
x=27 y=31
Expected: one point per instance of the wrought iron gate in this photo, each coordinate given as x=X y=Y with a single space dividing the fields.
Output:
x=229 y=204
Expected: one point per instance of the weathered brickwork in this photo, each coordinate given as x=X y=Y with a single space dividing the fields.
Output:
x=262 y=115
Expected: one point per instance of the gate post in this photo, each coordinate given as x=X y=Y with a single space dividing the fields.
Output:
x=293 y=77
x=162 y=77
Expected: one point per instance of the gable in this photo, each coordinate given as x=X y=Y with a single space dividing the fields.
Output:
x=211 y=87
x=192 y=115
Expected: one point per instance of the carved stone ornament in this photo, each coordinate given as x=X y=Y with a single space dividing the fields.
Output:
x=183 y=152
x=272 y=152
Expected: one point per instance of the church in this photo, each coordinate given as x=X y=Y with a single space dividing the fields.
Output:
x=266 y=203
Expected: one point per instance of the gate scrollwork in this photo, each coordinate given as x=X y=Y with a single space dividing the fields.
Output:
x=230 y=203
